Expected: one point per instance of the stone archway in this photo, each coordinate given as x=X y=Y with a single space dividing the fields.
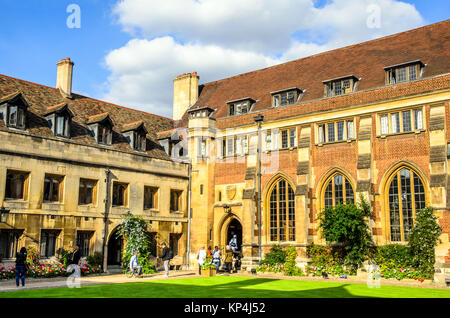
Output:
x=234 y=228
x=115 y=247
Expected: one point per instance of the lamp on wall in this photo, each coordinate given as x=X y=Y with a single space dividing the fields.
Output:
x=3 y=214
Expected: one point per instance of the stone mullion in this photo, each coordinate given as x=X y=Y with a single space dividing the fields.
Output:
x=364 y=167
x=438 y=196
x=302 y=190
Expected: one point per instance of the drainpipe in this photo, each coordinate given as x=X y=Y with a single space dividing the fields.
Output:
x=105 y=217
x=188 y=250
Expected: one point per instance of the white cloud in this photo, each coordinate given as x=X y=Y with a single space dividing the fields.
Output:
x=142 y=71
x=220 y=38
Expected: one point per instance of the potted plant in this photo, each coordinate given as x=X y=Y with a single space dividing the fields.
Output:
x=208 y=269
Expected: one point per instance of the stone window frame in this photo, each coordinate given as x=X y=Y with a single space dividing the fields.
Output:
x=400 y=111
x=334 y=122
x=26 y=183
x=94 y=191
x=155 y=193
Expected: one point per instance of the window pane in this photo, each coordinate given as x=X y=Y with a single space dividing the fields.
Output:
x=291 y=214
x=340 y=130
x=268 y=139
x=406 y=196
x=60 y=125
x=329 y=195
x=394 y=209
x=321 y=133
x=337 y=88
x=419 y=193
x=13 y=115
x=406 y=121
x=349 y=194
x=284 y=139
x=292 y=137
x=15 y=183
x=282 y=210
x=291 y=98
x=276 y=100
x=401 y=74
x=338 y=190
x=395 y=123
x=230 y=147
x=418 y=119
x=331 y=136
x=231 y=112
x=350 y=130
x=412 y=72
x=384 y=124
x=273 y=215
x=283 y=98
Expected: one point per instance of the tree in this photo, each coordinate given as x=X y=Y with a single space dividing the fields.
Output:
x=345 y=228
x=133 y=230
x=423 y=238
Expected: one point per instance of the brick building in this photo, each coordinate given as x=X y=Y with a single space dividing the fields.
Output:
x=369 y=119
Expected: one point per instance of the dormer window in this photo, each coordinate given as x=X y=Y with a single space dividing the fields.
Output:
x=101 y=128
x=201 y=112
x=404 y=72
x=240 y=106
x=136 y=135
x=59 y=118
x=13 y=110
x=286 y=97
x=340 y=86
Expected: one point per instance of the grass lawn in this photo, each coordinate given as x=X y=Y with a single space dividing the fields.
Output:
x=231 y=287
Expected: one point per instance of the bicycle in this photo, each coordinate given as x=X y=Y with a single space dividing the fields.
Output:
x=133 y=273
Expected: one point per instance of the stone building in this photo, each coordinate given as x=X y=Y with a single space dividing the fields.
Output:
x=71 y=167
x=369 y=119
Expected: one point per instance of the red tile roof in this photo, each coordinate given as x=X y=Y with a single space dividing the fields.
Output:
x=42 y=98
x=429 y=44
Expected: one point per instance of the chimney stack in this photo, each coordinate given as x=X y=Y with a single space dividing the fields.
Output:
x=185 y=93
x=64 y=77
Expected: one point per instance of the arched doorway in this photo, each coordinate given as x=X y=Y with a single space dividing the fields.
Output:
x=115 y=246
x=235 y=228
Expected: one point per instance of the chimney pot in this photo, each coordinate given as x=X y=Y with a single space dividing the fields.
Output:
x=64 y=77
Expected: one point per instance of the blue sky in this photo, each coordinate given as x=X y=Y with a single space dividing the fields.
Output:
x=111 y=45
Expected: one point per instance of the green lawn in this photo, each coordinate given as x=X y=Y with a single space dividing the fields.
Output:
x=231 y=287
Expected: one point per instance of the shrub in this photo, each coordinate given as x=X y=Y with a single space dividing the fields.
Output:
x=64 y=257
x=133 y=230
x=277 y=255
x=290 y=269
x=395 y=254
x=345 y=228
x=95 y=260
x=33 y=256
x=423 y=238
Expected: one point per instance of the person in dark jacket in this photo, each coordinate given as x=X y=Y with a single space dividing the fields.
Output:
x=166 y=257
x=21 y=266
x=76 y=255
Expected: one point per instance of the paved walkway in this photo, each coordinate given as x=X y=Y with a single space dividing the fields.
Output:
x=36 y=283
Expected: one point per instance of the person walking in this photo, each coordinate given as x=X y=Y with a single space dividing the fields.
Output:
x=166 y=256
x=233 y=243
x=75 y=260
x=228 y=258
x=209 y=251
x=134 y=264
x=201 y=256
x=21 y=266
x=217 y=254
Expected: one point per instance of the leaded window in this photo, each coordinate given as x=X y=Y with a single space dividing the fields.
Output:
x=282 y=212
x=406 y=196
x=338 y=190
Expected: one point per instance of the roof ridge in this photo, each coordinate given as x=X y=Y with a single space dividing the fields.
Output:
x=54 y=88
x=332 y=50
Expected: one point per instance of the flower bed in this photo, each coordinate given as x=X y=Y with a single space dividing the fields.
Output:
x=43 y=271
x=333 y=270
x=399 y=273
x=268 y=268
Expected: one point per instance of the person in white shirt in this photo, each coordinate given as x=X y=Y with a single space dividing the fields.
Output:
x=134 y=264
x=233 y=243
x=201 y=256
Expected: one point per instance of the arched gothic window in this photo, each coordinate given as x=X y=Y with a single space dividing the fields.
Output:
x=282 y=212
x=406 y=196
x=338 y=189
